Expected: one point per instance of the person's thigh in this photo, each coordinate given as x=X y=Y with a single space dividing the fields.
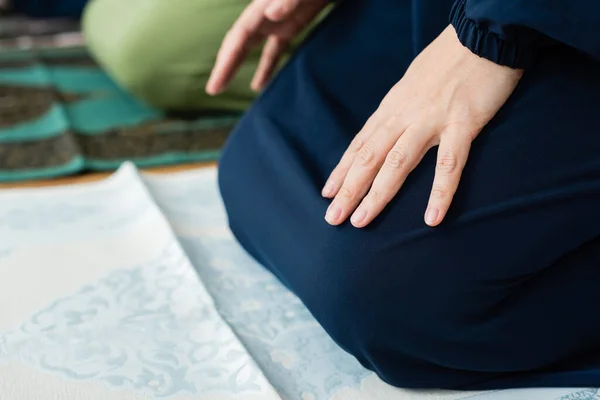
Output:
x=163 y=51
x=499 y=286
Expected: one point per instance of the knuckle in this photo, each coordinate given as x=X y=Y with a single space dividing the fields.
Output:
x=396 y=159
x=391 y=122
x=234 y=34
x=447 y=162
x=439 y=192
x=376 y=197
x=367 y=154
x=243 y=32
x=346 y=193
x=356 y=145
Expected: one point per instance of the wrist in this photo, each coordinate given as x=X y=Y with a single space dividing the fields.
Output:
x=474 y=60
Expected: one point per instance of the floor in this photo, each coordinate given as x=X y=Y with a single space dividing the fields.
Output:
x=90 y=177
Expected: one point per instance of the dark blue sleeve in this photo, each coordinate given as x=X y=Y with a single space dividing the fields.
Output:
x=513 y=32
x=50 y=8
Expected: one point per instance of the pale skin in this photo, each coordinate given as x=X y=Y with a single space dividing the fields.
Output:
x=445 y=98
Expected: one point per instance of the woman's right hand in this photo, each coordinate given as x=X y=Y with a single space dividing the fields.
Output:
x=276 y=21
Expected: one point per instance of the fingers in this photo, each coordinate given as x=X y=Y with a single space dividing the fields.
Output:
x=269 y=60
x=337 y=176
x=237 y=43
x=365 y=165
x=261 y=19
x=379 y=167
x=451 y=159
x=404 y=156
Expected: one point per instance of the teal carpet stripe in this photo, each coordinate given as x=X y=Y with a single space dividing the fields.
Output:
x=58 y=105
x=74 y=166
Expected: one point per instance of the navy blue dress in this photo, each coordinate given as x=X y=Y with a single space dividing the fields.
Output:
x=504 y=292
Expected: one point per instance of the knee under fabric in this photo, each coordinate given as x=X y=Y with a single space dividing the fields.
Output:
x=163 y=52
x=488 y=300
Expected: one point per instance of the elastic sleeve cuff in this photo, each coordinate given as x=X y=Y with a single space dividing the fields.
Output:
x=488 y=44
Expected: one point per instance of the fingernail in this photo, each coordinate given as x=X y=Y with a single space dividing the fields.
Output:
x=333 y=214
x=329 y=189
x=431 y=216
x=211 y=91
x=358 y=217
x=212 y=88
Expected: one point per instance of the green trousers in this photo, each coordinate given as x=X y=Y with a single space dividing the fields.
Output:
x=163 y=51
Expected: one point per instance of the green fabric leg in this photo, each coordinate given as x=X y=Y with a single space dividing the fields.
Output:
x=163 y=51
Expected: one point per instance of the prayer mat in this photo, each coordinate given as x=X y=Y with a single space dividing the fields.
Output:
x=61 y=114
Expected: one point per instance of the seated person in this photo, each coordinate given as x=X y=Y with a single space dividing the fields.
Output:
x=163 y=51
x=425 y=176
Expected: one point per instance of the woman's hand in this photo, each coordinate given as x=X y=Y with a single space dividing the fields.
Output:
x=446 y=97
x=276 y=21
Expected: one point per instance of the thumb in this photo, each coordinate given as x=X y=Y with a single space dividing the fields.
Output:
x=281 y=9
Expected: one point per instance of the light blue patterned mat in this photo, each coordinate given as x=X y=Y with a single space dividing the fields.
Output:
x=134 y=288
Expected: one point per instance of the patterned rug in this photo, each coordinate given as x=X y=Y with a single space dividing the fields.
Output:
x=61 y=114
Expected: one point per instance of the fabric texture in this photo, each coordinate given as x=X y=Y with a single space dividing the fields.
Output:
x=99 y=301
x=163 y=51
x=134 y=289
x=514 y=32
x=497 y=295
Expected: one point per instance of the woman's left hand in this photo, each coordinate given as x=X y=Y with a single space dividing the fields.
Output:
x=446 y=97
